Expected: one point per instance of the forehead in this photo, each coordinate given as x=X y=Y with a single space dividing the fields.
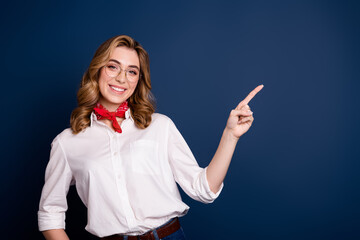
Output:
x=126 y=56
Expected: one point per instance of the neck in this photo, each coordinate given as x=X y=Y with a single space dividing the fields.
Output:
x=109 y=106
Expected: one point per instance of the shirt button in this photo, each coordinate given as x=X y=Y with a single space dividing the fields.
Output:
x=115 y=153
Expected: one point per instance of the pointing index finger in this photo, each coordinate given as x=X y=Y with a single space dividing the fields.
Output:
x=250 y=96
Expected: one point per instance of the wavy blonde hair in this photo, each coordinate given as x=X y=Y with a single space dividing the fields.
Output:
x=141 y=102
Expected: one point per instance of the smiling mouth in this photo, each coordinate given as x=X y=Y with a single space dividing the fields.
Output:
x=117 y=89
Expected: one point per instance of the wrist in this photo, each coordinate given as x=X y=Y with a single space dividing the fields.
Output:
x=227 y=133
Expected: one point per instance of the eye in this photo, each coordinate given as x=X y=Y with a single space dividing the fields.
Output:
x=112 y=67
x=132 y=72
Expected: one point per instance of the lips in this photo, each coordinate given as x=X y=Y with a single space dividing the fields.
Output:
x=118 y=90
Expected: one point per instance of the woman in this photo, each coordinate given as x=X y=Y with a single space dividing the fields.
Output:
x=125 y=159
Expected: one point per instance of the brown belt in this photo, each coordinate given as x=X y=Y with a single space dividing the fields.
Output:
x=162 y=232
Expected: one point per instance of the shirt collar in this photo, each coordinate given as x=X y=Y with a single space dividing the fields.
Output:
x=93 y=117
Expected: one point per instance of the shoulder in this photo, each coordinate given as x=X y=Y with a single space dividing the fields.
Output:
x=65 y=135
x=164 y=122
x=161 y=121
x=160 y=118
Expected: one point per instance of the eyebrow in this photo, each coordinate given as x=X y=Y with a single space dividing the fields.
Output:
x=132 y=66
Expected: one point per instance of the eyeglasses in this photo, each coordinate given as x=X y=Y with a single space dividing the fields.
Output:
x=113 y=70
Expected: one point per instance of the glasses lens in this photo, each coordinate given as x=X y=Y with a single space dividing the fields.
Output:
x=112 y=70
x=132 y=74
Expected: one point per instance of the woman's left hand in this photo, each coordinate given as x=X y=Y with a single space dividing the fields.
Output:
x=241 y=117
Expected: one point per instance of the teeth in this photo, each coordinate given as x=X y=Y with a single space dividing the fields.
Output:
x=117 y=89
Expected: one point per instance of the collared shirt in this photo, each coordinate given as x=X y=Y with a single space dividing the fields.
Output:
x=126 y=180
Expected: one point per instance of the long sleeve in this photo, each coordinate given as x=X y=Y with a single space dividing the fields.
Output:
x=58 y=177
x=187 y=173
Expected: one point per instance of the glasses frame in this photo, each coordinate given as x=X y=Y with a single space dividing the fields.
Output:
x=121 y=69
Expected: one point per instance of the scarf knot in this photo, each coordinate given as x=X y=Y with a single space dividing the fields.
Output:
x=102 y=113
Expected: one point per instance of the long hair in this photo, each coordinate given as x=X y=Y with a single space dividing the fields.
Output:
x=141 y=102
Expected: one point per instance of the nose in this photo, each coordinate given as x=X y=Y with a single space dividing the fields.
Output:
x=121 y=77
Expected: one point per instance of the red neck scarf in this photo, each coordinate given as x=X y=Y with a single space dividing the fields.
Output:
x=101 y=113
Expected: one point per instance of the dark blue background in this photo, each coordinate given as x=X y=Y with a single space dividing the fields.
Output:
x=294 y=174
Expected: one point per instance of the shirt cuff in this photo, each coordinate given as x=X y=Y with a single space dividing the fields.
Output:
x=47 y=221
x=210 y=195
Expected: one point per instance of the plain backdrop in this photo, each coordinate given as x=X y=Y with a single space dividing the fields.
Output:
x=294 y=174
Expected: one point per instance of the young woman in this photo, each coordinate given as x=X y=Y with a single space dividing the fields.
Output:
x=124 y=159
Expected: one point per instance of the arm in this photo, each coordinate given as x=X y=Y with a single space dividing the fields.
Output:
x=55 y=234
x=53 y=203
x=186 y=171
x=239 y=122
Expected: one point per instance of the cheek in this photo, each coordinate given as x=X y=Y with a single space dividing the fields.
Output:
x=133 y=87
x=101 y=86
x=103 y=82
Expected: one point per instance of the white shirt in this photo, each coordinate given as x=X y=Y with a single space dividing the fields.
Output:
x=126 y=180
